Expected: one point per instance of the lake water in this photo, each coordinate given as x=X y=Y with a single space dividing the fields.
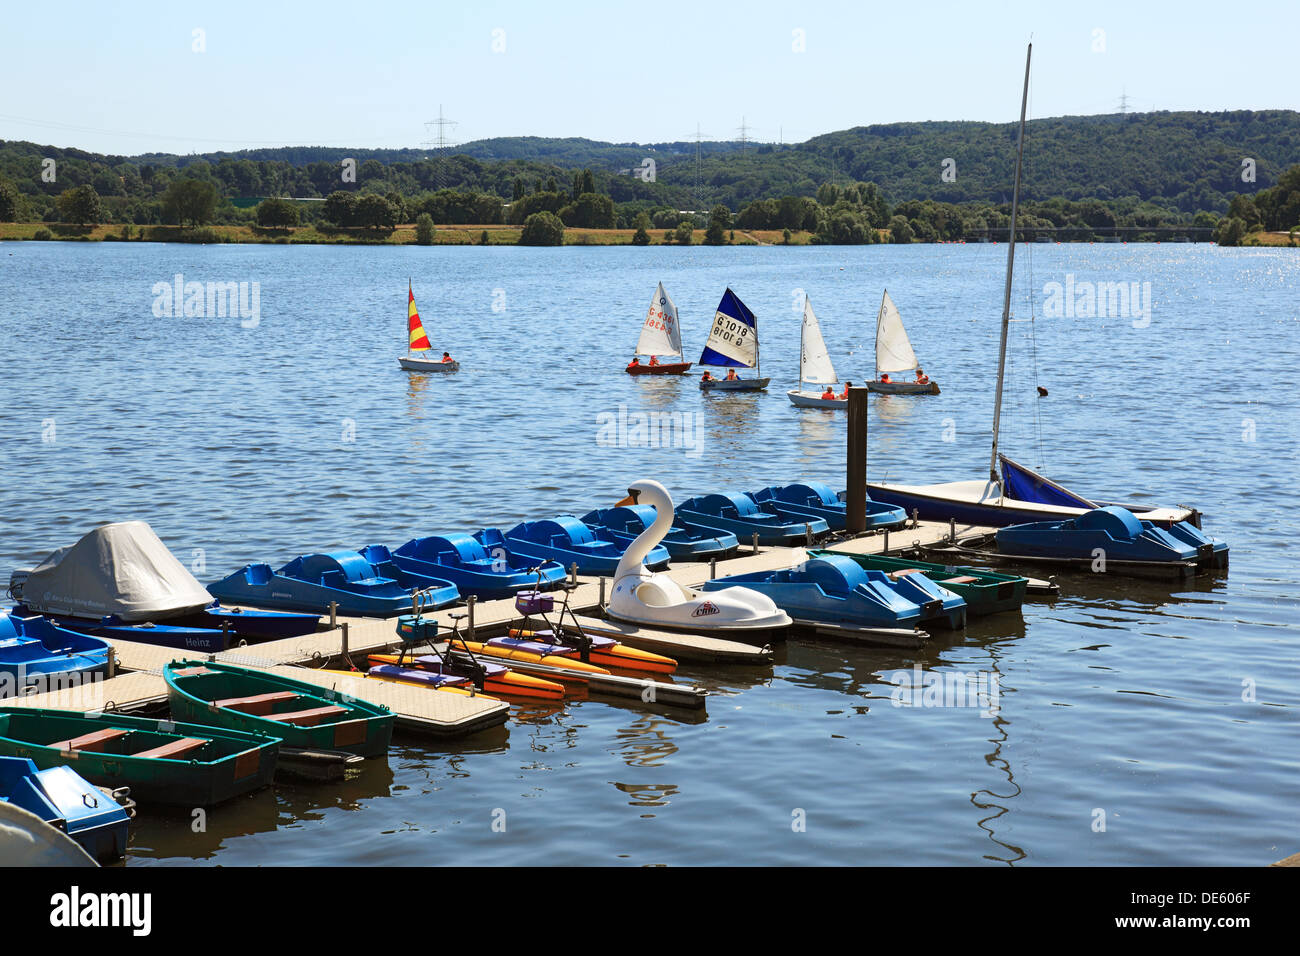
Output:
x=1169 y=713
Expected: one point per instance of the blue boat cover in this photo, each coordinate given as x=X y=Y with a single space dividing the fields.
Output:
x=732 y=308
x=1022 y=484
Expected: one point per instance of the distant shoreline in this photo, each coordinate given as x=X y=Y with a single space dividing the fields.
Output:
x=465 y=235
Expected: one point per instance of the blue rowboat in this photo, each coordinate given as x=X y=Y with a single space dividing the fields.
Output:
x=34 y=650
x=567 y=540
x=741 y=515
x=833 y=589
x=311 y=581
x=811 y=500
x=625 y=522
x=486 y=572
x=66 y=801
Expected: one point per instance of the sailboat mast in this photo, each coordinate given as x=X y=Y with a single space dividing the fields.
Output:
x=1011 y=258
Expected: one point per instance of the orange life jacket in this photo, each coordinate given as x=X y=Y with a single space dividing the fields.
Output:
x=829 y=393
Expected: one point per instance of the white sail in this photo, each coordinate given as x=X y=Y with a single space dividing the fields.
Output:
x=893 y=350
x=660 y=334
x=814 y=359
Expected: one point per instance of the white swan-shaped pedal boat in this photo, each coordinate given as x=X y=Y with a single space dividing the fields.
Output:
x=641 y=596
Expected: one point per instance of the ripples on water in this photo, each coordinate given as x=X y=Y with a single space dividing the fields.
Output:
x=230 y=442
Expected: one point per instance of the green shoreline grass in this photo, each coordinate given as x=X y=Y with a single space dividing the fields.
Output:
x=498 y=235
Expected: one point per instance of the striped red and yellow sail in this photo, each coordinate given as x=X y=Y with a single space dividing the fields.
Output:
x=419 y=340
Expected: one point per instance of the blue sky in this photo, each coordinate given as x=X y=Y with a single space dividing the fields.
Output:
x=125 y=78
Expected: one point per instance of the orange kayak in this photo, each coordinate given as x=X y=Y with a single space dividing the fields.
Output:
x=499 y=681
x=608 y=653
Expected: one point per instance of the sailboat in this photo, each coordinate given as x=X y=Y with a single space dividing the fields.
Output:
x=660 y=335
x=733 y=343
x=418 y=357
x=1018 y=495
x=815 y=366
x=894 y=355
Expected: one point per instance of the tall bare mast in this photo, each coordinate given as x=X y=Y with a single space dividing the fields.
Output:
x=1011 y=258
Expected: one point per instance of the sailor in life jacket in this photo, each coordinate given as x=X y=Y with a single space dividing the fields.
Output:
x=921 y=377
x=829 y=394
x=446 y=357
x=845 y=394
x=731 y=375
x=634 y=363
x=653 y=361
x=884 y=377
x=706 y=377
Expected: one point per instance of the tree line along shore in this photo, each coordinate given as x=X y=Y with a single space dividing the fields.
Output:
x=163 y=204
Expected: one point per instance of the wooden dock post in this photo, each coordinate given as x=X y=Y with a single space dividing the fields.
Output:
x=334 y=614
x=469 y=607
x=345 y=643
x=754 y=546
x=602 y=592
x=856 y=466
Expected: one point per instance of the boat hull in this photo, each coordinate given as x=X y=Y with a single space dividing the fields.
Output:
x=230 y=764
x=427 y=365
x=965 y=502
x=676 y=368
x=35 y=649
x=814 y=400
x=65 y=800
x=736 y=385
x=903 y=388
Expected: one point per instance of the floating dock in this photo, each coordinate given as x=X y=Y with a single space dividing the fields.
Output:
x=137 y=680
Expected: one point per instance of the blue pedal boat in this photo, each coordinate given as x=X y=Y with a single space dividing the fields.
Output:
x=834 y=589
x=34 y=650
x=813 y=500
x=567 y=540
x=625 y=522
x=1115 y=540
x=311 y=581
x=66 y=801
x=487 y=573
x=741 y=515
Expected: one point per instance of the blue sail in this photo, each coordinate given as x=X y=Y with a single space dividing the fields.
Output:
x=1020 y=483
x=730 y=308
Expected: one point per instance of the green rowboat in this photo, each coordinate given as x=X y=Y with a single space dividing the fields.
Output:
x=161 y=761
x=302 y=715
x=985 y=592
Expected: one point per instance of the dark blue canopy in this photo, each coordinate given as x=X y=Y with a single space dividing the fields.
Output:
x=732 y=308
x=1022 y=484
